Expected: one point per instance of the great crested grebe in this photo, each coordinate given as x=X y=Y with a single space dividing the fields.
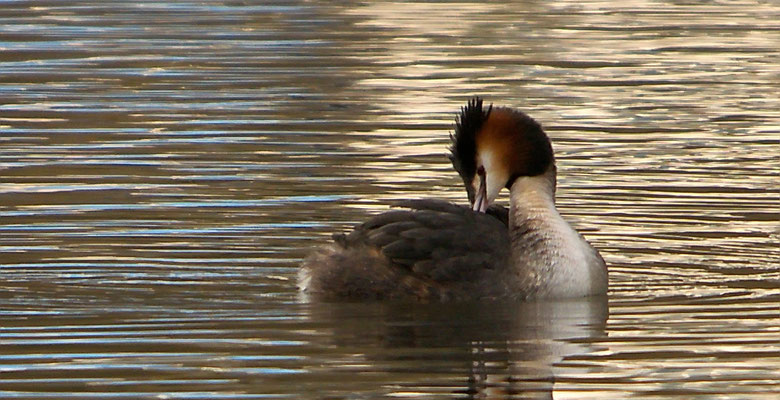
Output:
x=436 y=251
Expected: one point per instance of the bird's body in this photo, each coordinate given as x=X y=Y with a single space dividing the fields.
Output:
x=431 y=250
x=425 y=251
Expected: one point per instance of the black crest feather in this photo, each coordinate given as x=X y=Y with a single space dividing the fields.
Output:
x=464 y=146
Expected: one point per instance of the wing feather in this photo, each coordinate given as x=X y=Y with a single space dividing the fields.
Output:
x=436 y=241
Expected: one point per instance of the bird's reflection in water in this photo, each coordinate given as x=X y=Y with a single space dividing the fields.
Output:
x=501 y=350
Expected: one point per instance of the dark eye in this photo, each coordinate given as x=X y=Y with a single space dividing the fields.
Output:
x=481 y=170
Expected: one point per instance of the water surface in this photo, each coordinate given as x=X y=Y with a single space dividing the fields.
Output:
x=164 y=167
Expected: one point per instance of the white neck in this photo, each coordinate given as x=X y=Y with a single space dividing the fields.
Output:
x=549 y=257
x=533 y=194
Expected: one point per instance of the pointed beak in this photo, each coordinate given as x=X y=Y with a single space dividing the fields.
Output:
x=480 y=197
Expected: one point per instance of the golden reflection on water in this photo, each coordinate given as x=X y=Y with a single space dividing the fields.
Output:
x=163 y=169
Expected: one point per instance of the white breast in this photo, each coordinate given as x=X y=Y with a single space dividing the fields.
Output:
x=549 y=257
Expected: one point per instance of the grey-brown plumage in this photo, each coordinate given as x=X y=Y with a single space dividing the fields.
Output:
x=426 y=251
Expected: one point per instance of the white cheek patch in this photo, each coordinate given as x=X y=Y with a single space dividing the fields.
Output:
x=496 y=174
x=494 y=185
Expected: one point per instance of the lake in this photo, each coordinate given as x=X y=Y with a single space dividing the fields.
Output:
x=165 y=167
